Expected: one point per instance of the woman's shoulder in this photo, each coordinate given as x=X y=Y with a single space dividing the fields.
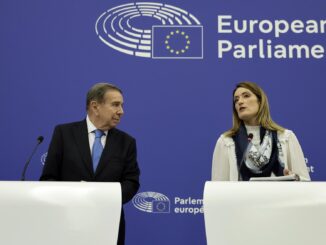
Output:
x=285 y=135
x=225 y=140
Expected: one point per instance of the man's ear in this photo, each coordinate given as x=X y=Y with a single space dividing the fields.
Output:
x=93 y=105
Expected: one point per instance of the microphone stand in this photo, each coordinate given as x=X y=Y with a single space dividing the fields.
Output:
x=39 y=141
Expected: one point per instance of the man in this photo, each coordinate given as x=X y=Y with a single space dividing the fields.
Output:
x=94 y=150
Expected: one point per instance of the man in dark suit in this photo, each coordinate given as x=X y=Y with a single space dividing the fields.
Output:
x=94 y=150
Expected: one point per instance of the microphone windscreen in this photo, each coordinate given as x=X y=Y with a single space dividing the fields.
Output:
x=40 y=139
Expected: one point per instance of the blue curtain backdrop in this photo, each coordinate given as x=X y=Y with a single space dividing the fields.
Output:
x=50 y=55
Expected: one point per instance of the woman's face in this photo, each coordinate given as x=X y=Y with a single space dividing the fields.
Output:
x=247 y=105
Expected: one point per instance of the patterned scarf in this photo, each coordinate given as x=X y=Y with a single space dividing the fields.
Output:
x=258 y=156
x=260 y=161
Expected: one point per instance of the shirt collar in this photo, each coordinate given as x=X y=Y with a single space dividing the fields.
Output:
x=91 y=127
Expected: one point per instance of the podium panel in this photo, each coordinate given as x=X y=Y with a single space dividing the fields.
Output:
x=65 y=213
x=269 y=213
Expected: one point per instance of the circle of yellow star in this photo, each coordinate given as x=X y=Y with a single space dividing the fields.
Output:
x=177 y=33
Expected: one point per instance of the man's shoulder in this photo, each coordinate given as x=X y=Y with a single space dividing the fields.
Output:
x=122 y=134
x=71 y=124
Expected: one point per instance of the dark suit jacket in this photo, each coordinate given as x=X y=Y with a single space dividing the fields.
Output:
x=69 y=159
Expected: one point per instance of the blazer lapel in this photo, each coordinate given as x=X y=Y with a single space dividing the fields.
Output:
x=82 y=142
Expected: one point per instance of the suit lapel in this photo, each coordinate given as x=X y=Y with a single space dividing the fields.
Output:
x=81 y=137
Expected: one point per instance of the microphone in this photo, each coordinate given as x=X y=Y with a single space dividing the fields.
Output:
x=250 y=136
x=39 y=141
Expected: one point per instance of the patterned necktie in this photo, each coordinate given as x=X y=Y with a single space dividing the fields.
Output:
x=97 y=148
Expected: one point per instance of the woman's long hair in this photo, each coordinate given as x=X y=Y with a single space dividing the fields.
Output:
x=263 y=115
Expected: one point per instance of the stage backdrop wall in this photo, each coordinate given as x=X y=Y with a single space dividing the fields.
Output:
x=177 y=63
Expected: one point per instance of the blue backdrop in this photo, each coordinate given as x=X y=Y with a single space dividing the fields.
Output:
x=50 y=55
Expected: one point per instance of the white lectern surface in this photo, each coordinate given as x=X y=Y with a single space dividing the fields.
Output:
x=59 y=213
x=268 y=213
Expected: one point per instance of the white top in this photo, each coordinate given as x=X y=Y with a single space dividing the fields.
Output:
x=91 y=134
x=224 y=165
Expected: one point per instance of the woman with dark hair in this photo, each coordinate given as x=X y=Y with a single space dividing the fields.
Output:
x=273 y=150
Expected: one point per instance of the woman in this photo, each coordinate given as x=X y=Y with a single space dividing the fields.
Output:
x=270 y=149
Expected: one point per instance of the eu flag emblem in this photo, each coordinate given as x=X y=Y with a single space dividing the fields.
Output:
x=177 y=42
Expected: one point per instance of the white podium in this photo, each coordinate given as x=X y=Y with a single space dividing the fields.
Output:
x=59 y=213
x=265 y=213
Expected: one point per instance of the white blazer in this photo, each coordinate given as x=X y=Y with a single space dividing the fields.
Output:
x=224 y=166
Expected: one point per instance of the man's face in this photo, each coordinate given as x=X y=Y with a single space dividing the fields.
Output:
x=110 y=111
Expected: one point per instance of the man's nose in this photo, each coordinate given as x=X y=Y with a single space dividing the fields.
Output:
x=120 y=111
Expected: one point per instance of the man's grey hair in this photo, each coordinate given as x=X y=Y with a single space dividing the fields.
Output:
x=97 y=92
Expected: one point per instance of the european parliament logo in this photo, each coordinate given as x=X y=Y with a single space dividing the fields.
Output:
x=43 y=158
x=151 y=202
x=151 y=30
